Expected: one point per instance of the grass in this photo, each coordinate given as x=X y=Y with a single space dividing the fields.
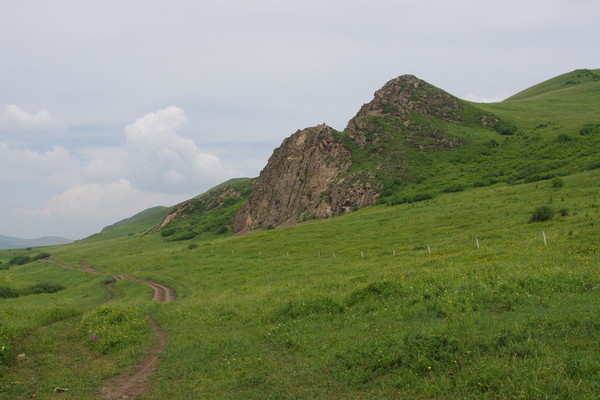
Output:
x=463 y=294
x=275 y=315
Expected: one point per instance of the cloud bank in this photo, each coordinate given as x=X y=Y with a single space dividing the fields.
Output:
x=153 y=166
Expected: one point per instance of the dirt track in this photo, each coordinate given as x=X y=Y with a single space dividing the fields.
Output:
x=135 y=382
x=162 y=293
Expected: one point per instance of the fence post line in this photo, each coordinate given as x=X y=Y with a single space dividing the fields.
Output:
x=477 y=241
x=334 y=254
x=362 y=254
x=429 y=249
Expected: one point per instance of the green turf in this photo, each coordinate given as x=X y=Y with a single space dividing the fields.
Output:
x=455 y=297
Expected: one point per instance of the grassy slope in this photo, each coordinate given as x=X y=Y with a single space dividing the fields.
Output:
x=548 y=143
x=276 y=315
x=554 y=105
x=139 y=223
x=512 y=319
x=209 y=216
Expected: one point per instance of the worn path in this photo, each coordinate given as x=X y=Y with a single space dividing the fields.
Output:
x=135 y=382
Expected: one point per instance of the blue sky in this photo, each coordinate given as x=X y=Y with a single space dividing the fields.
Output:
x=108 y=108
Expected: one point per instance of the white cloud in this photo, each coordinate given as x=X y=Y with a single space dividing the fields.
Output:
x=482 y=99
x=55 y=166
x=88 y=199
x=154 y=166
x=15 y=117
x=157 y=158
x=86 y=208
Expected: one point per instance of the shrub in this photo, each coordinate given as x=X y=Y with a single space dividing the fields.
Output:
x=557 y=182
x=8 y=293
x=541 y=214
x=505 y=128
x=563 y=138
x=167 y=232
x=589 y=129
x=454 y=188
x=41 y=256
x=563 y=212
x=44 y=287
x=19 y=260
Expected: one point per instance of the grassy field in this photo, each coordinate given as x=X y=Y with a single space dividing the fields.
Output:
x=387 y=302
x=459 y=296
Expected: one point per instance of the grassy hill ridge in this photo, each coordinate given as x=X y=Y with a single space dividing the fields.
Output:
x=561 y=82
x=468 y=293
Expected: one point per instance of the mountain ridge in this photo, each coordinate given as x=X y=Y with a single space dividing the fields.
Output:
x=409 y=143
x=9 y=242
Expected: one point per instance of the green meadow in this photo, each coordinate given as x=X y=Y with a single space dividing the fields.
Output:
x=478 y=277
x=387 y=302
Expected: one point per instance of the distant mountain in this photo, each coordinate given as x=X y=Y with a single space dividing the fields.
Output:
x=7 y=242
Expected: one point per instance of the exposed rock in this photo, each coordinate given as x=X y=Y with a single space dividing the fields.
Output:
x=400 y=98
x=306 y=177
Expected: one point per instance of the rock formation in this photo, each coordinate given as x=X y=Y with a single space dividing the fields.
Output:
x=320 y=173
x=306 y=177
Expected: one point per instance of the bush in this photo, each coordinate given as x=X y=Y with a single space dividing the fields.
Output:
x=563 y=138
x=44 y=287
x=167 y=232
x=19 y=260
x=454 y=188
x=557 y=182
x=589 y=129
x=505 y=128
x=541 y=214
x=41 y=256
x=8 y=293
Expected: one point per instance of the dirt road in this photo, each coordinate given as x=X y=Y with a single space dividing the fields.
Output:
x=162 y=293
x=135 y=382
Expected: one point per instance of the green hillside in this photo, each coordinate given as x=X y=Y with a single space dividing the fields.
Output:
x=353 y=307
x=152 y=213
x=476 y=277
x=551 y=130
x=574 y=79
x=139 y=223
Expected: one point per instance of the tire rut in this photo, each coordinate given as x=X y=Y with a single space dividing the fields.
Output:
x=135 y=382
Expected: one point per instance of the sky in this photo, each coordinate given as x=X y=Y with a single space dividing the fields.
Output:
x=110 y=107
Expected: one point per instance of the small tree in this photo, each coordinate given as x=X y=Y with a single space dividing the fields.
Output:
x=541 y=214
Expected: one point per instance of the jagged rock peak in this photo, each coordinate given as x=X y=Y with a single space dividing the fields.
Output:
x=304 y=179
x=403 y=96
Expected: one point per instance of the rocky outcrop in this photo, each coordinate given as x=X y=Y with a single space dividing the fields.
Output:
x=306 y=177
x=402 y=98
x=320 y=173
